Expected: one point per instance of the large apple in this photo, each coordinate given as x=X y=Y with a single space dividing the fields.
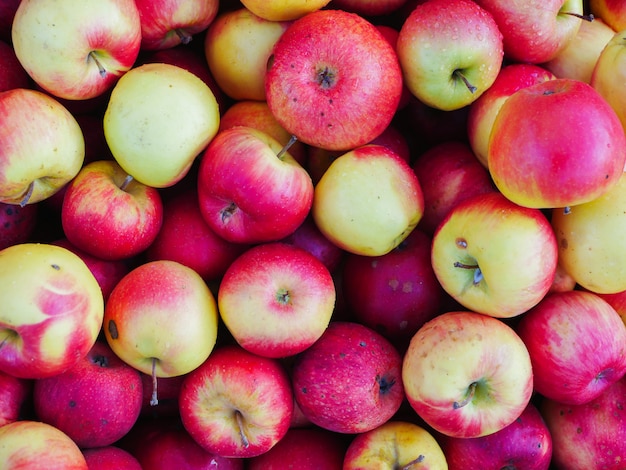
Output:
x=95 y=402
x=53 y=310
x=237 y=403
x=328 y=70
x=446 y=64
x=250 y=188
x=349 y=381
x=123 y=222
x=467 y=374
x=477 y=254
x=76 y=50
x=159 y=118
x=577 y=345
x=283 y=10
x=562 y=156
x=276 y=299
x=41 y=146
x=368 y=201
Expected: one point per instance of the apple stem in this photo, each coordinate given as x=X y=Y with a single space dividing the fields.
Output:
x=292 y=140
x=101 y=69
x=28 y=194
x=420 y=458
x=588 y=17
x=126 y=182
x=242 y=434
x=468 y=398
x=469 y=86
x=154 y=399
x=184 y=37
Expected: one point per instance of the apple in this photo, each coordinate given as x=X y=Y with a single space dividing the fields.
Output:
x=525 y=443
x=250 y=188
x=41 y=144
x=237 y=404
x=477 y=254
x=535 y=31
x=328 y=70
x=591 y=241
x=590 y=435
x=172 y=22
x=13 y=74
x=612 y=12
x=283 y=10
x=36 y=445
x=446 y=64
x=448 y=173
x=110 y=457
x=53 y=310
x=95 y=402
x=276 y=299
x=349 y=381
x=15 y=395
x=395 y=444
x=237 y=46
x=161 y=319
x=578 y=59
x=577 y=345
x=467 y=374
x=396 y=293
x=76 y=51
x=159 y=118
x=483 y=111
x=559 y=158
x=124 y=222
x=185 y=237
x=17 y=223
x=368 y=201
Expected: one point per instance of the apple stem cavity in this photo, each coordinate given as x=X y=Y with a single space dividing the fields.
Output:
x=101 y=69
x=126 y=182
x=468 y=398
x=29 y=193
x=469 y=86
x=183 y=36
x=244 y=439
x=420 y=458
x=154 y=400
x=285 y=149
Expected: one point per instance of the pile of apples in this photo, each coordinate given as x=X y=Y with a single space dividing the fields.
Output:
x=313 y=234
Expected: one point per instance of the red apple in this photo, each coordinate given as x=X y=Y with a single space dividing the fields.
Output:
x=15 y=394
x=17 y=224
x=328 y=70
x=237 y=404
x=349 y=381
x=12 y=74
x=110 y=458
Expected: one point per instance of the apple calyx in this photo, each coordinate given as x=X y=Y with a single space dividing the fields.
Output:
x=93 y=56
x=239 y=419
x=285 y=149
x=29 y=193
x=471 y=391
x=459 y=74
x=420 y=458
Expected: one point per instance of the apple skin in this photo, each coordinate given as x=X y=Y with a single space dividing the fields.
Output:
x=276 y=299
x=15 y=395
x=349 y=381
x=613 y=12
x=467 y=374
x=368 y=201
x=76 y=51
x=395 y=444
x=396 y=293
x=525 y=443
x=328 y=70
x=124 y=223
x=577 y=345
x=41 y=144
x=591 y=435
x=476 y=253
x=248 y=193
x=38 y=446
x=283 y=10
x=556 y=159
x=168 y=23
x=55 y=315
x=17 y=224
x=483 y=111
x=109 y=458
x=95 y=402
x=12 y=74
x=237 y=404
x=534 y=31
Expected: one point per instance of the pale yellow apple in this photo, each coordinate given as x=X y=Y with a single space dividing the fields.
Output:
x=609 y=75
x=282 y=10
x=159 y=118
x=592 y=241
x=578 y=59
x=237 y=47
x=368 y=201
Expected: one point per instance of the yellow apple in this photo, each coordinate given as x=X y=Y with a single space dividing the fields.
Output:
x=281 y=10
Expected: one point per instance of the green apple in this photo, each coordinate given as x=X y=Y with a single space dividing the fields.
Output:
x=159 y=118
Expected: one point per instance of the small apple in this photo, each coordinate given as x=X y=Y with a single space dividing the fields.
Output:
x=328 y=70
x=237 y=404
x=110 y=457
x=467 y=374
x=75 y=50
x=159 y=118
x=612 y=12
x=283 y=10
